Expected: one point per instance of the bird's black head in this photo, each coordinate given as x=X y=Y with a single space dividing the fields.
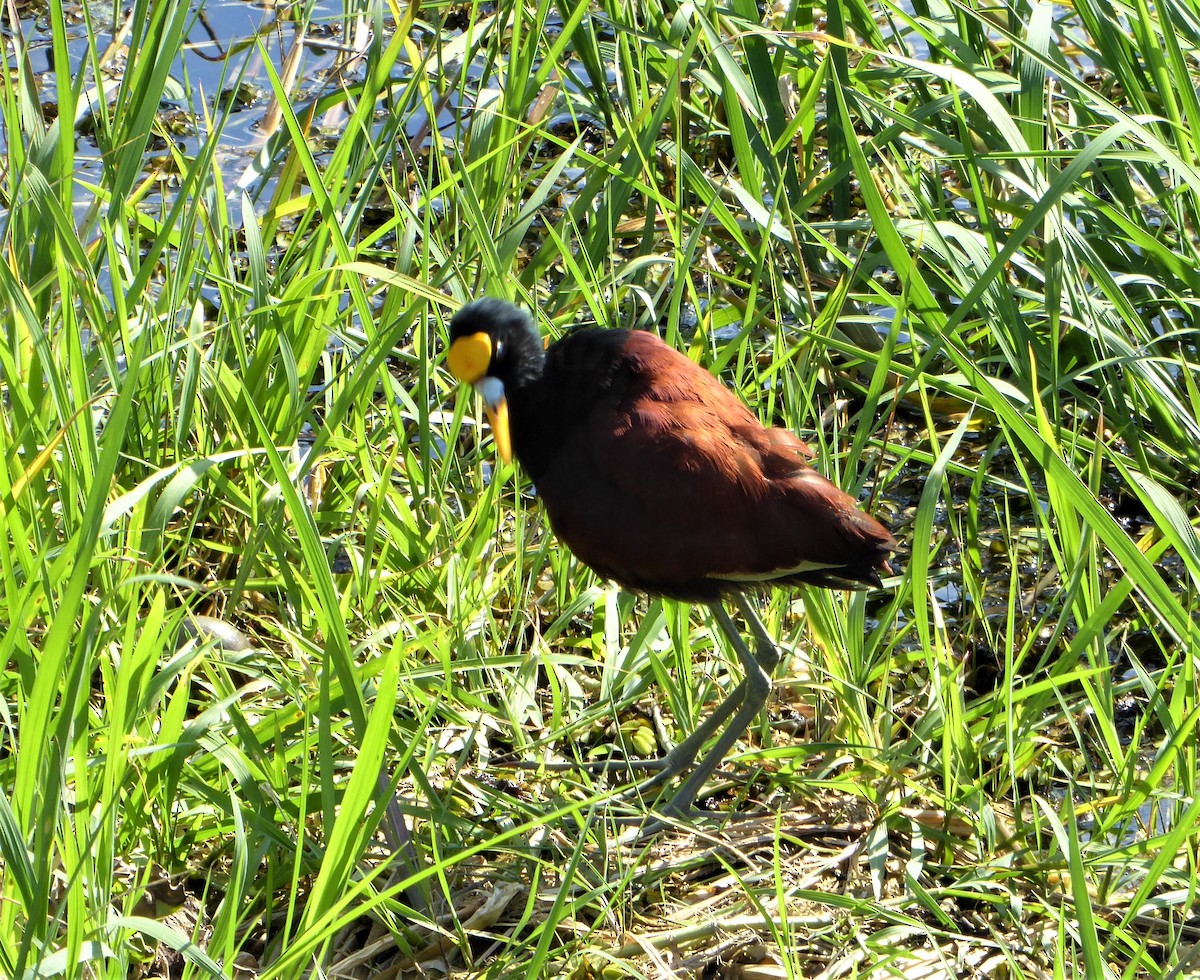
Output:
x=493 y=338
x=495 y=347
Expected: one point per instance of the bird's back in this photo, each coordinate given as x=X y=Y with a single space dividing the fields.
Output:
x=657 y=476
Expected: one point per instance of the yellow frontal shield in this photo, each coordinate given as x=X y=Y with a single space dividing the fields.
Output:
x=469 y=357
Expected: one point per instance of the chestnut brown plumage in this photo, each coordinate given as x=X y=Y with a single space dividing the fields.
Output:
x=655 y=475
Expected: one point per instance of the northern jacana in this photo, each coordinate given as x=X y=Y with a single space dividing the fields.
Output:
x=657 y=477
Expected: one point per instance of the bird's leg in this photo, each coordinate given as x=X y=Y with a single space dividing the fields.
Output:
x=749 y=698
x=766 y=644
x=680 y=758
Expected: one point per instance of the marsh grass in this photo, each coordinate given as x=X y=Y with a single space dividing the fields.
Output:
x=954 y=245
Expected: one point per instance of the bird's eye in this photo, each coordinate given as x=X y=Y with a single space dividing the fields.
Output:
x=499 y=350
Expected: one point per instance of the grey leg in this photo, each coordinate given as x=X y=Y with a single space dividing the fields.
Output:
x=679 y=760
x=754 y=690
x=742 y=705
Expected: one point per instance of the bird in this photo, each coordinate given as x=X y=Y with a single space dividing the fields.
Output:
x=659 y=478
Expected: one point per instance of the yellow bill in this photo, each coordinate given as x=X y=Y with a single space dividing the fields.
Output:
x=498 y=419
x=468 y=359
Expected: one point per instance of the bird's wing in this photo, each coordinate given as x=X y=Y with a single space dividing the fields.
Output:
x=669 y=417
x=731 y=499
x=690 y=454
